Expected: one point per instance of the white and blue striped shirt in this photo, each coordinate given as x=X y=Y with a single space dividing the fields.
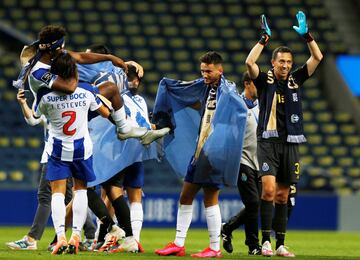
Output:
x=69 y=138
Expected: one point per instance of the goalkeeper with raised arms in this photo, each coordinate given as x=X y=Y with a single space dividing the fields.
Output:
x=280 y=128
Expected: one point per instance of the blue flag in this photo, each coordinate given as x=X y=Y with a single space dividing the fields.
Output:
x=219 y=159
x=111 y=155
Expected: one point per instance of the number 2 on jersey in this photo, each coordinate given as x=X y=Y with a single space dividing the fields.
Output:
x=72 y=115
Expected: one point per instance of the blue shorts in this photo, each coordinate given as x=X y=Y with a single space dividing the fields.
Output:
x=190 y=177
x=134 y=175
x=80 y=169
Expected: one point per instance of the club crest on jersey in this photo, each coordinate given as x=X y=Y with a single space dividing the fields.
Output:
x=46 y=78
x=294 y=118
x=243 y=177
x=265 y=167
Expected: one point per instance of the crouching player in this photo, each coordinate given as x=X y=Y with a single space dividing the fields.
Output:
x=69 y=149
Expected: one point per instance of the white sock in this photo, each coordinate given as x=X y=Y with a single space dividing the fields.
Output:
x=80 y=206
x=137 y=218
x=58 y=213
x=213 y=219
x=184 y=216
x=98 y=223
x=119 y=117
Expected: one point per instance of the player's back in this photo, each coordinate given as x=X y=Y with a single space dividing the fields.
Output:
x=68 y=135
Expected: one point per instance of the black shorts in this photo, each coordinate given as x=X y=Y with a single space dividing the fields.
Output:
x=132 y=176
x=280 y=160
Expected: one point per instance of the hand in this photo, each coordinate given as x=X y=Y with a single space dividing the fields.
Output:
x=20 y=96
x=265 y=31
x=264 y=26
x=303 y=29
x=139 y=68
x=116 y=61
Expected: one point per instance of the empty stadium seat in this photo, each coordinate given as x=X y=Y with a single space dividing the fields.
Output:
x=167 y=38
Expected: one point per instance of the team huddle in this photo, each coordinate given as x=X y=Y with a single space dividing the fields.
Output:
x=98 y=133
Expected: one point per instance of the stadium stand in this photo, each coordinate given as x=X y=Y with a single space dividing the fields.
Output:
x=167 y=38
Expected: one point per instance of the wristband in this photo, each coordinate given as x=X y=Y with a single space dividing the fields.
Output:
x=308 y=37
x=264 y=39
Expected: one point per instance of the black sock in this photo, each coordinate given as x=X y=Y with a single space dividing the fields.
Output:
x=280 y=222
x=122 y=213
x=102 y=233
x=266 y=212
x=97 y=205
x=54 y=241
x=235 y=222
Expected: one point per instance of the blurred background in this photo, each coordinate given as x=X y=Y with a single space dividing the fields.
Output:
x=167 y=38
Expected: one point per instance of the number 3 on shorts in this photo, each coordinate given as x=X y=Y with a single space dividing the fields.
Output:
x=297 y=168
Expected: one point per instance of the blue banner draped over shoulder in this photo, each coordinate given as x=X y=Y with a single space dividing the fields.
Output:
x=219 y=160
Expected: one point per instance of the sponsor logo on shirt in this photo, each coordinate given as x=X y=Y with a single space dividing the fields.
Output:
x=295 y=97
x=46 y=78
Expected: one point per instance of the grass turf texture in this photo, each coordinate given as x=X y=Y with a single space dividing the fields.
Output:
x=305 y=244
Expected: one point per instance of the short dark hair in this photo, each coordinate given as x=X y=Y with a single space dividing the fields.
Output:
x=99 y=48
x=51 y=33
x=132 y=74
x=211 y=57
x=281 y=49
x=64 y=66
x=245 y=78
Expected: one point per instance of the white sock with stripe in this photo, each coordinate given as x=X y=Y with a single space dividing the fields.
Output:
x=58 y=213
x=213 y=219
x=137 y=218
x=184 y=216
x=80 y=206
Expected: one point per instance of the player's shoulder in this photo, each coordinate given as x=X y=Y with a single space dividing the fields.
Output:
x=41 y=71
x=85 y=86
x=140 y=98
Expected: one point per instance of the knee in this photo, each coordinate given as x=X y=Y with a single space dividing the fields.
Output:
x=186 y=199
x=281 y=197
x=268 y=192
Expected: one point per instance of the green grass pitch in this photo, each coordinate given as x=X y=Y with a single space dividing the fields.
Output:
x=305 y=244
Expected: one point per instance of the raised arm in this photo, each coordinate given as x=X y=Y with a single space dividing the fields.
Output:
x=315 y=53
x=25 y=109
x=90 y=57
x=255 y=52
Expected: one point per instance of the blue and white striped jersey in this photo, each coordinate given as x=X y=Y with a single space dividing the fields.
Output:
x=136 y=109
x=69 y=138
x=100 y=72
x=40 y=77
